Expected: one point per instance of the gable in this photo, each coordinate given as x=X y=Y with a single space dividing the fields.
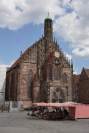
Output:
x=83 y=75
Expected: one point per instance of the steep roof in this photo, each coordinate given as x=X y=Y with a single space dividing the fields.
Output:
x=86 y=71
x=16 y=63
x=47 y=23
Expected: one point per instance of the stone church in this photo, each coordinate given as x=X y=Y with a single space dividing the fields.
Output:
x=41 y=74
x=81 y=87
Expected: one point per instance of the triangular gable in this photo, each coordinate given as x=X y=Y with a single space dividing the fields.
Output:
x=84 y=74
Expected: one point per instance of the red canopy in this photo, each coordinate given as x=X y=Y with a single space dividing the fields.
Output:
x=66 y=104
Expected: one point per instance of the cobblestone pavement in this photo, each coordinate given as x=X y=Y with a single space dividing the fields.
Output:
x=18 y=122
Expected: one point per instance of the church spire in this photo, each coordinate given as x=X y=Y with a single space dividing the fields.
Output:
x=48 y=15
x=48 y=27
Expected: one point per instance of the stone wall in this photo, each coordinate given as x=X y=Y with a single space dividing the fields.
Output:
x=84 y=91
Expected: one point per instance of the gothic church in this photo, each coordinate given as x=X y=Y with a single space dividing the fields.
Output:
x=41 y=74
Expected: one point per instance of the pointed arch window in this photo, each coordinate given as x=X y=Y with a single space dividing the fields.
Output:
x=65 y=77
x=58 y=95
x=30 y=74
x=57 y=73
x=30 y=83
x=50 y=73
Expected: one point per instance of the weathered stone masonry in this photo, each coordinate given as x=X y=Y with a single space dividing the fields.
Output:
x=41 y=74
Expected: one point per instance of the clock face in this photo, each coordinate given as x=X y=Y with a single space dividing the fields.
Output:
x=57 y=54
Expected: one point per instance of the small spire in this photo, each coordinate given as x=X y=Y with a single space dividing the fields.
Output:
x=21 y=52
x=71 y=62
x=48 y=14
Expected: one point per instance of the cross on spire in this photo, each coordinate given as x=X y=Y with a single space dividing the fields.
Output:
x=48 y=14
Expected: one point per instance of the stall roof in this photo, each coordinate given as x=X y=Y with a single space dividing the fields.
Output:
x=66 y=104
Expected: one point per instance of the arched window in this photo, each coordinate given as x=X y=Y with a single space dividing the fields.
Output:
x=30 y=76
x=58 y=95
x=50 y=73
x=57 y=73
x=67 y=94
x=65 y=77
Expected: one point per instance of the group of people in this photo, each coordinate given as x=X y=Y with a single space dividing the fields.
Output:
x=49 y=112
x=4 y=108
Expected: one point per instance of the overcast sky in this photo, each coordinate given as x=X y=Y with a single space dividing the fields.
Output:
x=21 y=24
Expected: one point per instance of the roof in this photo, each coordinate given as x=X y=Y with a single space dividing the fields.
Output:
x=48 y=17
x=17 y=62
x=87 y=72
x=65 y=104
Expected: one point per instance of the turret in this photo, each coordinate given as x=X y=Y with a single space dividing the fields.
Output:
x=48 y=28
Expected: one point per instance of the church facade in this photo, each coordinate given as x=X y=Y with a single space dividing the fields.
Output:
x=81 y=87
x=41 y=74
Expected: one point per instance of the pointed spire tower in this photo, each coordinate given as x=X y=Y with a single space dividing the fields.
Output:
x=48 y=28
